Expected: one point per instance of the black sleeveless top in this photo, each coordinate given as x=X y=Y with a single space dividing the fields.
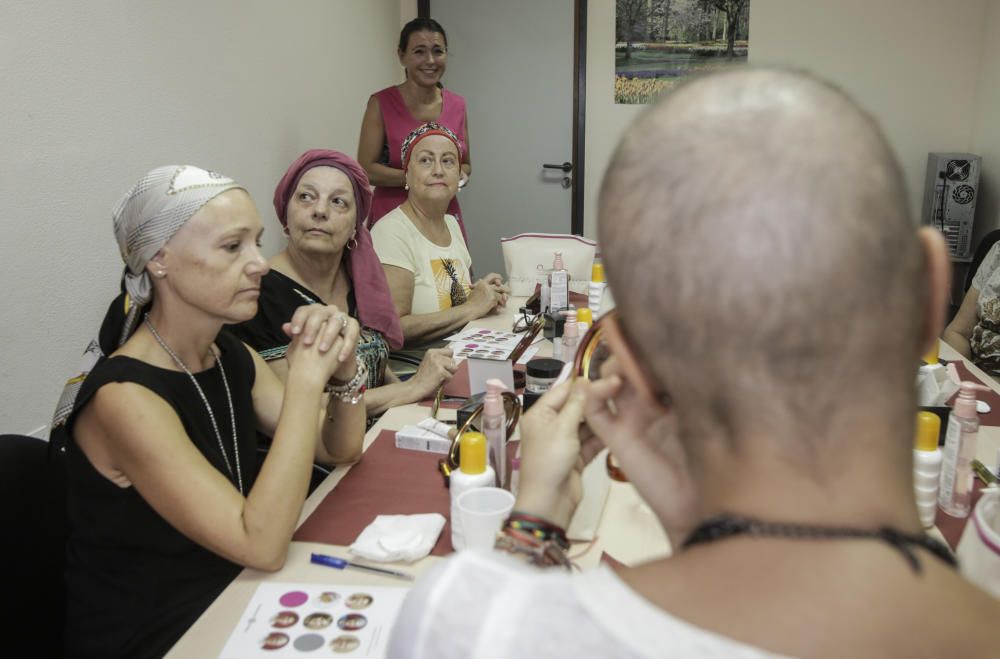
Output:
x=280 y=296
x=135 y=583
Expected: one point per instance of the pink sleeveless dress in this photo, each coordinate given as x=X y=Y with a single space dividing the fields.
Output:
x=398 y=123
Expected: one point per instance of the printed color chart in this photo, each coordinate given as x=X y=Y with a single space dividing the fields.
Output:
x=300 y=620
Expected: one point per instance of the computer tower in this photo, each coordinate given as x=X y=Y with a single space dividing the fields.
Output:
x=950 y=192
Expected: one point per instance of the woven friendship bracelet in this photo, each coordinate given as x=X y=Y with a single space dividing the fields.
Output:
x=541 y=553
x=538 y=528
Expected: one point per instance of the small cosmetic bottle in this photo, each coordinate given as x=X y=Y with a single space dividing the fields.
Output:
x=494 y=425
x=586 y=316
x=558 y=285
x=571 y=335
x=598 y=283
x=472 y=472
x=955 y=495
x=927 y=459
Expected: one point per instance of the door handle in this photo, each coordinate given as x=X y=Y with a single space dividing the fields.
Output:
x=566 y=166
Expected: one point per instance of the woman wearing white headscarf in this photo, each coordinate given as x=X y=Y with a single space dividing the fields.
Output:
x=165 y=501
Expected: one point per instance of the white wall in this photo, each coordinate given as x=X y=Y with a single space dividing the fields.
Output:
x=915 y=65
x=96 y=93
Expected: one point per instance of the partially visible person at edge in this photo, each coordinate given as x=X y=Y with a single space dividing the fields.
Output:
x=776 y=453
x=975 y=330
x=166 y=503
x=322 y=202
x=395 y=111
x=426 y=263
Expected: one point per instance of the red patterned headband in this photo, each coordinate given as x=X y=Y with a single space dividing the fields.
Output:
x=422 y=131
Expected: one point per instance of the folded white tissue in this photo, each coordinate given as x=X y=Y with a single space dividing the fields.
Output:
x=391 y=538
x=935 y=385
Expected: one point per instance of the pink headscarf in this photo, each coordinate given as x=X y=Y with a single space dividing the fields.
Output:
x=371 y=290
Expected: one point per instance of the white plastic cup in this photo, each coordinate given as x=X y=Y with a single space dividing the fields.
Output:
x=978 y=551
x=483 y=511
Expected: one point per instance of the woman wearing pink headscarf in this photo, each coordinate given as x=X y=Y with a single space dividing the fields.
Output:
x=322 y=202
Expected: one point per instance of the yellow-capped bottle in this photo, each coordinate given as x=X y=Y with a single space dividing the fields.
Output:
x=595 y=293
x=927 y=466
x=473 y=471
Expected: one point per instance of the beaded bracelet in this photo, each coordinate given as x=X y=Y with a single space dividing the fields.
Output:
x=542 y=553
x=352 y=390
x=539 y=528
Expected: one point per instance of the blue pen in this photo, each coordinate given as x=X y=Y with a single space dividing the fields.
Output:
x=340 y=564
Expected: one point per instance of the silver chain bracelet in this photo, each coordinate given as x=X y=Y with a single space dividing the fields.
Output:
x=352 y=390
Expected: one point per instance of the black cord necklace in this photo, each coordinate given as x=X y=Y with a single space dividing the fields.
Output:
x=725 y=526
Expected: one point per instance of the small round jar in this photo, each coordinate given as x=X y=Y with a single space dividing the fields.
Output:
x=541 y=374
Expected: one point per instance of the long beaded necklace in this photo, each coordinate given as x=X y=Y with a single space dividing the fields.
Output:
x=726 y=526
x=229 y=398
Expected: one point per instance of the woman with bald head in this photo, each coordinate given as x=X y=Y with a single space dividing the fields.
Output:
x=771 y=307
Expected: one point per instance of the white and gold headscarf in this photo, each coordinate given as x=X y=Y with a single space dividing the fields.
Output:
x=148 y=216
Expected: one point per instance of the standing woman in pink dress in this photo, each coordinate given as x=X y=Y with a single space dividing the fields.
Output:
x=395 y=111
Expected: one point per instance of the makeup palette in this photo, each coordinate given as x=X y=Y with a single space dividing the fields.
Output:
x=482 y=343
x=293 y=619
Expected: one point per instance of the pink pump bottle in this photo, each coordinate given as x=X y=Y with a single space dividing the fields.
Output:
x=955 y=494
x=494 y=424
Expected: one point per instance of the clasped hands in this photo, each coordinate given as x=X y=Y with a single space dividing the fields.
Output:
x=323 y=341
x=490 y=293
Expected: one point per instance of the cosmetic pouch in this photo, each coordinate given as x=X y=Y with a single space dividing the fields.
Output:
x=527 y=256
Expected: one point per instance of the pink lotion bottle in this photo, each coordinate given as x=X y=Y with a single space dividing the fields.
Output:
x=571 y=336
x=955 y=494
x=494 y=424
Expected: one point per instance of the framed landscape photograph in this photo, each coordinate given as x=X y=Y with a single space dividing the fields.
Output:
x=658 y=43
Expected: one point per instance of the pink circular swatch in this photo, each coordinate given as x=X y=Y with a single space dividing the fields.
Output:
x=293 y=598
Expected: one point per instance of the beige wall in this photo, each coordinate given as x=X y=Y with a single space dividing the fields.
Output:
x=605 y=120
x=986 y=128
x=915 y=64
x=96 y=93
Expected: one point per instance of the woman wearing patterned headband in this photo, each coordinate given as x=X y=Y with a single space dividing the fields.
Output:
x=322 y=202
x=165 y=501
x=420 y=246
x=397 y=110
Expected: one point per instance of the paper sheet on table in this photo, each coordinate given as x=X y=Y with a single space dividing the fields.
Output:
x=583 y=525
x=293 y=618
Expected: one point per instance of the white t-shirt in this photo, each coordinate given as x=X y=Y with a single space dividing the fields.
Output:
x=440 y=274
x=483 y=605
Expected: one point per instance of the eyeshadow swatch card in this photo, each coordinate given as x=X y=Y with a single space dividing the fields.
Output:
x=484 y=343
x=302 y=620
